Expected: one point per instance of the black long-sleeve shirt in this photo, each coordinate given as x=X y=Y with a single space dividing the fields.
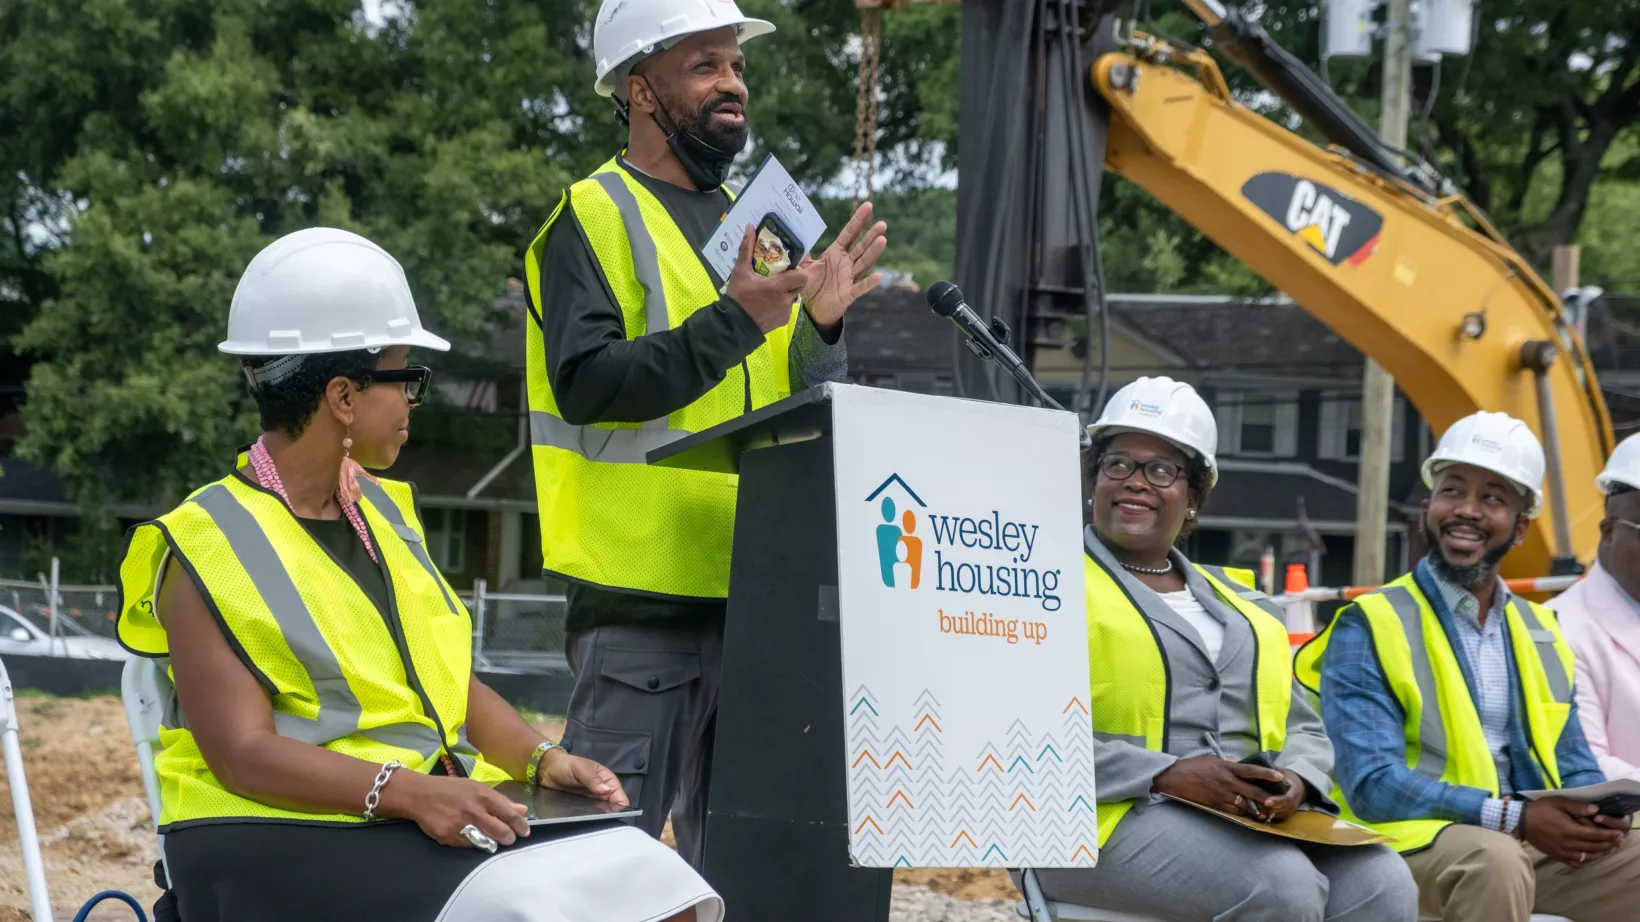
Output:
x=598 y=375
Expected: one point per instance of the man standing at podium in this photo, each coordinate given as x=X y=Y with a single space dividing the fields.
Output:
x=633 y=343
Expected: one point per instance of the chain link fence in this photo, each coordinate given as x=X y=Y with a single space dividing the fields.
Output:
x=81 y=611
x=512 y=632
x=517 y=632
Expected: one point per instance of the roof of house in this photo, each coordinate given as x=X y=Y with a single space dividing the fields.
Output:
x=892 y=330
x=1269 y=491
x=1238 y=335
x=24 y=480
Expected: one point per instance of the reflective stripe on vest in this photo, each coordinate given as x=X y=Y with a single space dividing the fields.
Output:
x=285 y=604
x=339 y=709
x=646 y=262
x=412 y=537
x=607 y=518
x=1445 y=740
x=1131 y=680
x=1547 y=643
x=607 y=446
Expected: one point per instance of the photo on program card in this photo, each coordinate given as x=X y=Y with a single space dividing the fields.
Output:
x=776 y=248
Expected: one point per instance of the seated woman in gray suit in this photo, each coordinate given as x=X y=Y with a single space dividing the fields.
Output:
x=1188 y=662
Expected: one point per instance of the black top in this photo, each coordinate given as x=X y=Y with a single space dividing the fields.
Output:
x=600 y=376
x=343 y=542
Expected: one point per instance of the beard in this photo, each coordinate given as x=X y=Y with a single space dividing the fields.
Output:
x=730 y=138
x=1472 y=575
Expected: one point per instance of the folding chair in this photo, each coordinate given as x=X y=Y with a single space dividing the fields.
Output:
x=33 y=865
x=144 y=688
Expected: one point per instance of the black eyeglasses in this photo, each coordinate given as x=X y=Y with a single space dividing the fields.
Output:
x=1160 y=473
x=415 y=379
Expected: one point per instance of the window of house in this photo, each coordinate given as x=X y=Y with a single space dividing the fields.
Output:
x=1340 y=432
x=446 y=538
x=1258 y=423
x=1258 y=428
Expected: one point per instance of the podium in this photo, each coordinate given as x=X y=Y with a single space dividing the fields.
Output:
x=777 y=823
x=910 y=696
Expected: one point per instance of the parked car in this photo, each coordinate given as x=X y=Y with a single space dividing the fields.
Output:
x=19 y=635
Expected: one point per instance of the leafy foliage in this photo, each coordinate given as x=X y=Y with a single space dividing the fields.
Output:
x=175 y=139
x=1528 y=123
x=148 y=148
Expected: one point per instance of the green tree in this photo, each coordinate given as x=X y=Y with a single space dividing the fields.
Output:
x=184 y=136
x=1545 y=99
x=148 y=148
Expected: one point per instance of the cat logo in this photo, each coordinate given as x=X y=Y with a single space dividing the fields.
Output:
x=1334 y=225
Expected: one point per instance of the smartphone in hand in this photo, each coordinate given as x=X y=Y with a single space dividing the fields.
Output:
x=1618 y=804
x=776 y=248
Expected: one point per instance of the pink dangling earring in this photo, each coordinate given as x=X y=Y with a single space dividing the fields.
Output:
x=347 y=444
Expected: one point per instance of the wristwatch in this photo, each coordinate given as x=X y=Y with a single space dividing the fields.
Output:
x=533 y=768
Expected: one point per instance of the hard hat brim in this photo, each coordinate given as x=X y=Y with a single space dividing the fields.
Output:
x=748 y=29
x=420 y=339
x=1534 y=498
x=1605 y=482
x=1190 y=451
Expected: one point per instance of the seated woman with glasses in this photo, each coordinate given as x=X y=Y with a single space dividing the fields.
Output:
x=1191 y=670
x=327 y=752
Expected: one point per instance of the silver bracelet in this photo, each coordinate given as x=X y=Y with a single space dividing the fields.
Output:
x=532 y=768
x=374 y=798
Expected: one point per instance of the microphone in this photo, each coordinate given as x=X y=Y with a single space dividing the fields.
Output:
x=946 y=300
x=988 y=341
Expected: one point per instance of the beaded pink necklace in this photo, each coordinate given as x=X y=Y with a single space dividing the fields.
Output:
x=268 y=476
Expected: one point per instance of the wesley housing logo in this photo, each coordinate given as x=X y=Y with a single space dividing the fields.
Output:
x=983 y=555
x=897 y=541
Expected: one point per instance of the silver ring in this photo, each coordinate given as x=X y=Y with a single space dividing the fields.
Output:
x=476 y=836
x=1582 y=857
x=1239 y=801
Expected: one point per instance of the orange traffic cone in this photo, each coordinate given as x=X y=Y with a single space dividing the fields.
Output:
x=1298 y=579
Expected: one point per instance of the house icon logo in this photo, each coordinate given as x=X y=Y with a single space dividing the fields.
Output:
x=899 y=549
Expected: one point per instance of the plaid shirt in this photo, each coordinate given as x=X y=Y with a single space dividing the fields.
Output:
x=1367 y=727
x=1486 y=646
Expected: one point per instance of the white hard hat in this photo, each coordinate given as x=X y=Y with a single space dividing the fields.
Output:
x=1496 y=442
x=1622 y=468
x=323 y=290
x=1167 y=408
x=626 y=29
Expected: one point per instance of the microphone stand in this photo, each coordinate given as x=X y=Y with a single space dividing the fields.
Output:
x=1011 y=362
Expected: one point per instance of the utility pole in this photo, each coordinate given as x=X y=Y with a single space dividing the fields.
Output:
x=1377 y=387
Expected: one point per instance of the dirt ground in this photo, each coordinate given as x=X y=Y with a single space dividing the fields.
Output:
x=94 y=826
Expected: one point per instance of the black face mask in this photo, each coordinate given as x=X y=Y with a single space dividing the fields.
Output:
x=705 y=150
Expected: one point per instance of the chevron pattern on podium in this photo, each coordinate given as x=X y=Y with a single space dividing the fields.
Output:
x=1025 y=800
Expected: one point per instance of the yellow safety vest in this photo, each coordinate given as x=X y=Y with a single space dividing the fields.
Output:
x=338 y=676
x=1443 y=730
x=607 y=518
x=1131 y=696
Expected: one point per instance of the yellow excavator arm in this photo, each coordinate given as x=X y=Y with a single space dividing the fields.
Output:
x=1423 y=284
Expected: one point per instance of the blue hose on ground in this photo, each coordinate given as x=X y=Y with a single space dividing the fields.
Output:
x=110 y=895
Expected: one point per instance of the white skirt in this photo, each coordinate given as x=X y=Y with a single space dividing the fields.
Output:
x=616 y=874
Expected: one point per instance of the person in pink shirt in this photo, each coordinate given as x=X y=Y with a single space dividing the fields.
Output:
x=1601 y=619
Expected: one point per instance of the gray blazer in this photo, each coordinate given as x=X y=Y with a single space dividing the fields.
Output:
x=1208 y=697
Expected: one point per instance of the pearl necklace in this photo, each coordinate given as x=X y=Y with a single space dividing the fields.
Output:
x=1152 y=571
